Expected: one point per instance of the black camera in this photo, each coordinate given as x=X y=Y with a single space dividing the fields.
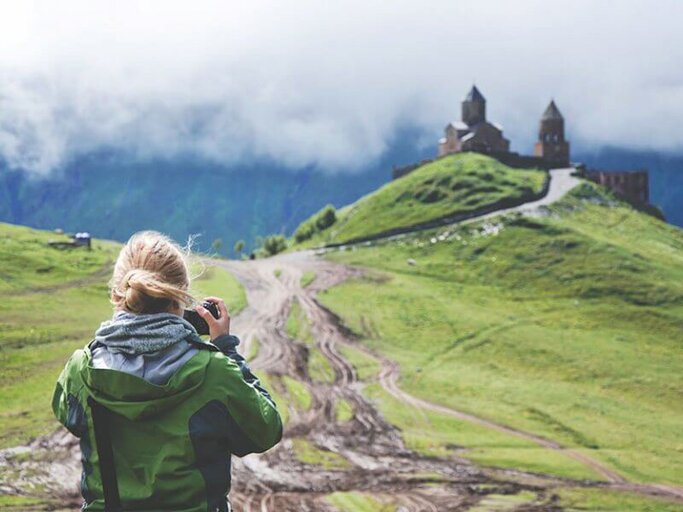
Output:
x=197 y=321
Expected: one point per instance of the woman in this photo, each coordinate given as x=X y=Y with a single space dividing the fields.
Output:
x=158 y=410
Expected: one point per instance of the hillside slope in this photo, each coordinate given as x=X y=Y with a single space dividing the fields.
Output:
x=567 y=326
x=455 y=184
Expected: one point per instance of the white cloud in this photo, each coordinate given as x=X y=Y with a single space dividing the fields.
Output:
x=327 y=83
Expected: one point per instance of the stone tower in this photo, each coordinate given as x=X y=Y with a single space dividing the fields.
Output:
x=474 y=107
x=551 y=145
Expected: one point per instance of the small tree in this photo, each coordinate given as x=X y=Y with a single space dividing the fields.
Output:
x=216 y=245
x=304 y=231
x=239 y=247
x=274 y=244
x=326 y=217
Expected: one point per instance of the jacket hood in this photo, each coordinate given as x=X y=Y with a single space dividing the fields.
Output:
x=141 y=366
x=128 y=333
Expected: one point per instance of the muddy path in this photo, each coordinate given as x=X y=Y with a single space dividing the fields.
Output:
x=377 y=461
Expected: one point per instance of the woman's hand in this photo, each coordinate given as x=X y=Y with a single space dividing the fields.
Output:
x=217 y=326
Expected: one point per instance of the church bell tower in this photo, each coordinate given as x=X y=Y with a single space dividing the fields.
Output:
x=551 y=145
x=474 y=107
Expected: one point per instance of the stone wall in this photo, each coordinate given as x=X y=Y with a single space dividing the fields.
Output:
x=630 y=185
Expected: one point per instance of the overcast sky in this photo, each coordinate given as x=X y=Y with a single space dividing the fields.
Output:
x=328 y=83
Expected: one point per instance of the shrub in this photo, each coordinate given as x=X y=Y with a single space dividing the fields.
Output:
x=318 y=222
x=239 y=247
x=325 y=217
x=305 y=231
x=273 y=244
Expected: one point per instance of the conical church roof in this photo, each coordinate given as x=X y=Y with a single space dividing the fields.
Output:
x=475 y=95
x=552 y=112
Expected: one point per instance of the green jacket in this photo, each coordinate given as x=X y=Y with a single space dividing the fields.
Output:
x=172 y=443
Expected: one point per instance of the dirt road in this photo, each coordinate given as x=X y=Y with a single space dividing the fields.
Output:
x=560 y=182
x=378 y=460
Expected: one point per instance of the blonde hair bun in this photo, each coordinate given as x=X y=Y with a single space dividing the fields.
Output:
x=150 y=275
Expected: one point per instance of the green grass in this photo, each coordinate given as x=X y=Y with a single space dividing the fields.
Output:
x=360 y=502
x=25 y=503
x=298 y=326
x=53 y=302
x=605 y=500
x=253 y=349
x=566 y=326
x=453 y=184
x=308 y=453
x=278 y=393
x=30 y=265
x=216 y=281
x=503 y=502
x=319 y=368
x=440 y=435
x=307 y=278
x=288 y=393
x=343 y=410
x=367 y=367
x=298 y=394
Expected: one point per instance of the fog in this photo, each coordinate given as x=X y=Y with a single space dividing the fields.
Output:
x=327 y=84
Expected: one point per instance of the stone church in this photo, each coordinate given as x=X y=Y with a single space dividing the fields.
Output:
x=475 y=133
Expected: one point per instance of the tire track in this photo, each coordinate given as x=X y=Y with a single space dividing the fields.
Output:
x=373 y=448
x=388 y=379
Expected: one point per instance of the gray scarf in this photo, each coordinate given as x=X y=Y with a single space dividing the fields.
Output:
x=142 y=334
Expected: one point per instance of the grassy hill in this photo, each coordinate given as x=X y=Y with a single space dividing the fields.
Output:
x=452 y=185
x=568 y=326
x=53 y=300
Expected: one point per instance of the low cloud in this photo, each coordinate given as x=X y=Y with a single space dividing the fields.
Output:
x=325 y=84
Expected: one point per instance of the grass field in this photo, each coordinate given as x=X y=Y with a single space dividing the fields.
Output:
x=216 y=281
x=360 y=502
x=453 y=184
x=53 y=302
x=308 y=453
x=567 y=326
x=571 y=499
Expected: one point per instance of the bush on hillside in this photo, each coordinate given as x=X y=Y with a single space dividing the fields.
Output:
x=325 y=217
x=305 y=231
x=318 y=222
x=273 y=244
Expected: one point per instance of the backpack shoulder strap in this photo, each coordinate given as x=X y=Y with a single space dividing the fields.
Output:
x=110 y=487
